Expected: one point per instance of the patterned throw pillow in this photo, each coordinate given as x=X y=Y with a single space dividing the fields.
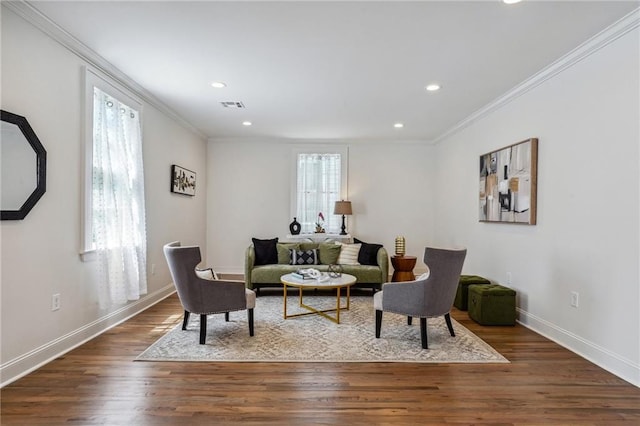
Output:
x=423 y=276
x=304 y=257
x=207 y=274
x=349 y=254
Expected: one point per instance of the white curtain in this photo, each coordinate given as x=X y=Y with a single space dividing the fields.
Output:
x=119 y=229
x=318 y=190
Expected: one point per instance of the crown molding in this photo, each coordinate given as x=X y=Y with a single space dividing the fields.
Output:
x=32 y=15
x=616 y=30
x=627 y=23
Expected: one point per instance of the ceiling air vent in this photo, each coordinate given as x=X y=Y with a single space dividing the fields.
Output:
x=232 y=104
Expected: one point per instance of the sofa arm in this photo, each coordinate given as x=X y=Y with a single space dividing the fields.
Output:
x=383 y=263
x=249 y=261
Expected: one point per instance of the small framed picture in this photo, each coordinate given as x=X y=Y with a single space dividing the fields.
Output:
x=183 y=181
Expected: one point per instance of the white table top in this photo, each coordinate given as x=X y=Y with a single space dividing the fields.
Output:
x=342 y=281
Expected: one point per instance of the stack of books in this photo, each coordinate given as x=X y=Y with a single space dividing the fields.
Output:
x=302 y=274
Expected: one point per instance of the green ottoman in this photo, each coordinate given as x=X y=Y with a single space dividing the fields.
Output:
x=462 y=294
x=492 y=304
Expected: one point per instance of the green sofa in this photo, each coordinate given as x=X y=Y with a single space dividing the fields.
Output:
x=368 y=276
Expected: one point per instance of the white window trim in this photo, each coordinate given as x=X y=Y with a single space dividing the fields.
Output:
x=343 y=150
x=94 y=78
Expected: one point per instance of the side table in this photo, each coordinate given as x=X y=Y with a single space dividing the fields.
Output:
x=403 y=271
x=403 y=268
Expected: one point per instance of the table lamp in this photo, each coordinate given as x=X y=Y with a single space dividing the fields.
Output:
x=343 y=208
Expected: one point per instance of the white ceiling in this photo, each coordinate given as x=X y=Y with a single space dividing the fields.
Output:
x=331 y=70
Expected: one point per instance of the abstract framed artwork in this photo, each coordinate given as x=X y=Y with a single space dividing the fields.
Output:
x=509 y=184
x=183 y=181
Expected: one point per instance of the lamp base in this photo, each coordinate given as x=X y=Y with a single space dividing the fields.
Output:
x=344 y=232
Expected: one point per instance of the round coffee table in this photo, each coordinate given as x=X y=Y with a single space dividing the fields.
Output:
x=343 y=281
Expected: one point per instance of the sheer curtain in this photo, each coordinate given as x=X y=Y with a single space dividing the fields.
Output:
x=319 y=178
x=119 y=230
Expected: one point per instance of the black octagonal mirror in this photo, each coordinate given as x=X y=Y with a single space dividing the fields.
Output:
x=23 y=167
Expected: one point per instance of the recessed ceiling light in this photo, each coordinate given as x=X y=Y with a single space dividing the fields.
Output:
x=433 y=87
x=511 y=1
x=218 y=84
x=247 y=123
x=398 y=125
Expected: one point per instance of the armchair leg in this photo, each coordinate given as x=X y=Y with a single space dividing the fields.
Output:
x=447 y=318
x=378 y=323
x=423 y=333
x=203 y=328
x=185 y=321
x=226 y=316
x=250 y=317
x=409 y=320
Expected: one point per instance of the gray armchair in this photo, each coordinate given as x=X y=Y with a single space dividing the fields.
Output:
x=424 y=298
x=201 y=296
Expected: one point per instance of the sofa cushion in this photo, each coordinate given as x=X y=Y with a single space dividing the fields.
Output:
x=364 y=273
x=266 y=251
x=308 y=246
x=284 y=257
x=329 y=253
x=368 y=254
x=268 y=274
x=349 y=254
x=304 y=257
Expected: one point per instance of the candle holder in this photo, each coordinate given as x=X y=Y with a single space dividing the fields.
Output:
x=335 y=270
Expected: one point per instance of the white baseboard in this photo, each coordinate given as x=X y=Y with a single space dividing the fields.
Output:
x=32 y=360
x=602 y=357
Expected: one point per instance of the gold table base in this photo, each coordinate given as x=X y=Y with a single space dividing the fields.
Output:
x=322 y=312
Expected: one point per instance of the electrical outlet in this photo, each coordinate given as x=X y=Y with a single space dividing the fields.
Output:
x=153 y=269
x=509 y=278
x=575 y=296
x=55 y=302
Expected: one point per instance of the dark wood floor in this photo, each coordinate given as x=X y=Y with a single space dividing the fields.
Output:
x=100 y=384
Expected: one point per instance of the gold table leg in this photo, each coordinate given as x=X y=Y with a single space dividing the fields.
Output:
x=285 y=300
x=322 y=312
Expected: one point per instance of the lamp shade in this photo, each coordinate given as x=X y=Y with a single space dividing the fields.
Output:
x=342 y=207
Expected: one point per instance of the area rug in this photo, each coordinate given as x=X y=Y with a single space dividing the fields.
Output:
x=313 y=338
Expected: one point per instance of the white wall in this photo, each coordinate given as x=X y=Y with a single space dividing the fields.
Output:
x=42 y=81
x=390 y=186
x=586 y=239
x=587 y=236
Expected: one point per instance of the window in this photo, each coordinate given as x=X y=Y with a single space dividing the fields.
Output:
x=114 y=192
x=320 y=181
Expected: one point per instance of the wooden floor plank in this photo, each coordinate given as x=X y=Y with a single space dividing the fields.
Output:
x=98 y=383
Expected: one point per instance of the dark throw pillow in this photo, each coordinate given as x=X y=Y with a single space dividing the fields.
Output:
x=304 y=257
x=266 y=251
x=368 y=253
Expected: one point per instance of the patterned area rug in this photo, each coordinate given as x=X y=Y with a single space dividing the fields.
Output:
x=316 y=339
